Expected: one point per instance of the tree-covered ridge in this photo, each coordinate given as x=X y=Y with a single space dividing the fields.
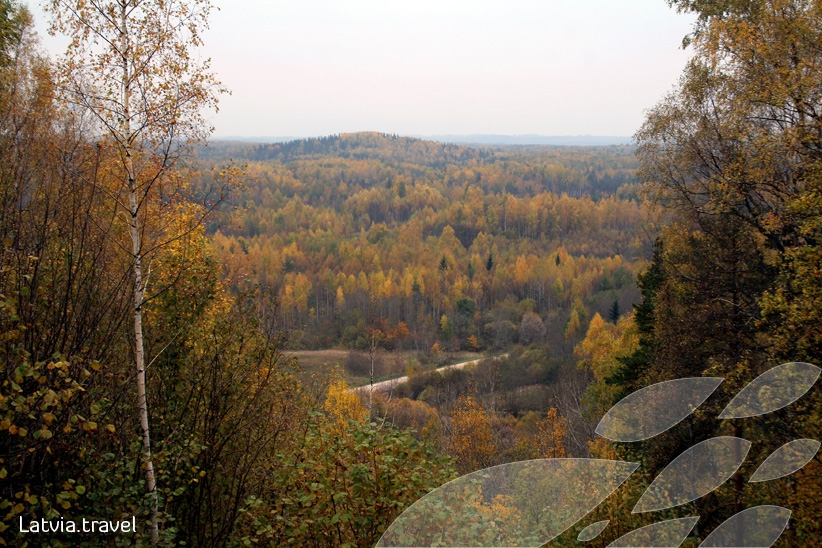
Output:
x=369 y=145
x=521 y=169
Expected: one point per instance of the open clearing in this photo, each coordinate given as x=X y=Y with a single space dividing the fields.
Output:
x=315 y=360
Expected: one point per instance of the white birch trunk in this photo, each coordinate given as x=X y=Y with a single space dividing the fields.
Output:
x=136 y=246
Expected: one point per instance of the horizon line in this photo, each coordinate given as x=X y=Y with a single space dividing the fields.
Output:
x=470 y=138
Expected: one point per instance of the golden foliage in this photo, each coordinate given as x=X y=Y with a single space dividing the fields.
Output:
x=344 y=405
x=472 y=436
x=599 y=353
x=551 y=434
x=573 y=324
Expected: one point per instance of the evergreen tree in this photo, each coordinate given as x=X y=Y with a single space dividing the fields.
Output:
x=613 y=313
x=635 y=365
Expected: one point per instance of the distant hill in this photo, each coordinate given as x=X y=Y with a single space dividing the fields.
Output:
x=478 y=139
x=351 y=146
x=395 y=149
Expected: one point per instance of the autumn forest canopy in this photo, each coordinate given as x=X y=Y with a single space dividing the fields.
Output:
x=184 y=323
x=432 y=243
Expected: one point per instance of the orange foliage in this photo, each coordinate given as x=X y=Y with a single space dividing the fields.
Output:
x=472 y=436
x=551 y=435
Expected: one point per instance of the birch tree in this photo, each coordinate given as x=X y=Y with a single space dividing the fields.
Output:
x=131 y=66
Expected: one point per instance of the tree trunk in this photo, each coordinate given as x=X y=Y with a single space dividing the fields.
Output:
x=139 y=358
x=136 y=248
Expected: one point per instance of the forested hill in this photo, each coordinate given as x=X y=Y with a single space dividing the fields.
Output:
x=433 y=243
x=597 y=169
x=371 y=145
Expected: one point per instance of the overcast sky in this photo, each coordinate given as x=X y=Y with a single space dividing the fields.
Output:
x=425 y=67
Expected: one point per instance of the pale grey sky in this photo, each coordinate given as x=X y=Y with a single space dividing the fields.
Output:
x=549 y=67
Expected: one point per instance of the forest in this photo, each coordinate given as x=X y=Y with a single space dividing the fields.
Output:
x=189 y=328
x=430 y=243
